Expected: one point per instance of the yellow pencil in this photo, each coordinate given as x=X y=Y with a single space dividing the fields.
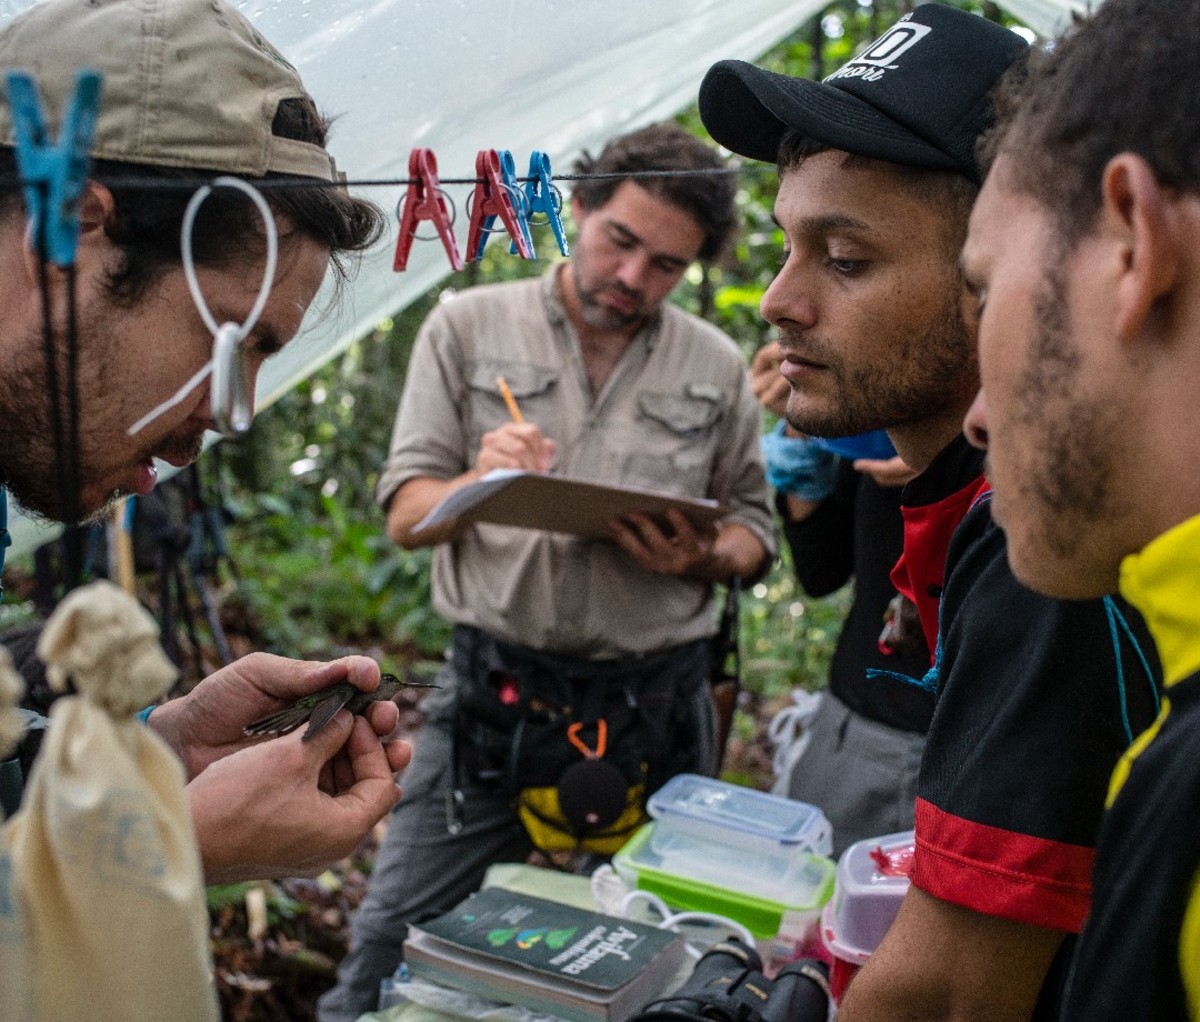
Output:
x=509 y=400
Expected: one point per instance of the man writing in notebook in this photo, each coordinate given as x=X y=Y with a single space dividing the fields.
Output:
x=616 y=386
x=1036 y=698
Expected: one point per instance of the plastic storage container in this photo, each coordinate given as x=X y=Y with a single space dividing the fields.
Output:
x=872 y=879
x=845 y=959
x=781 y=910
x=738 y=817
x=756 y=858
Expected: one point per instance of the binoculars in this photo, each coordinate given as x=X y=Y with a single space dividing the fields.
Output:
x=728 y=985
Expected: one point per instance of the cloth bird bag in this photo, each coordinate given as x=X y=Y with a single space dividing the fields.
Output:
x=16 y=973
x=104 y=861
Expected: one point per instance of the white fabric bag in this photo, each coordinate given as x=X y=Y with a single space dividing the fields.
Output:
x=104 y=861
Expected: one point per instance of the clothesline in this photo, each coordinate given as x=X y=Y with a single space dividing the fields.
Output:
x=8 y=181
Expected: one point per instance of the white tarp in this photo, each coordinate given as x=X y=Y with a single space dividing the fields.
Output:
x=463 y=75
x=458 y=76
x=1047 y=17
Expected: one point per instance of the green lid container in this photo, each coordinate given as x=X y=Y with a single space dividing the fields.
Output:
x=690 y=882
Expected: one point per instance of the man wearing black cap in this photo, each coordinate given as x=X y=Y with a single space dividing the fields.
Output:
x=1036 y=698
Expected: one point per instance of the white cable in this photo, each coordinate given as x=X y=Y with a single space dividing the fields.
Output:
x=166 y=406
x=189 y=272
x=189 y=265
x=789 y=733
x=607 y=888
x=653 y=900
x=672 y=920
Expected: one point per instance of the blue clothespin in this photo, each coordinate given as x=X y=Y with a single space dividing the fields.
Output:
x=520 y=215
x=541 y=196
x=54 y=173
x=508 y=177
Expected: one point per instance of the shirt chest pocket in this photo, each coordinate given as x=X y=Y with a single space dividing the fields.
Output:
x=675 y=440
x=533 y=387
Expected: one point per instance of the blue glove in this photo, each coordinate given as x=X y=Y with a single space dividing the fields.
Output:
x=798 y=465
x=875 y=445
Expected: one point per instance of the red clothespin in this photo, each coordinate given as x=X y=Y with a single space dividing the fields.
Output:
x=493 y=197
x=424 y=200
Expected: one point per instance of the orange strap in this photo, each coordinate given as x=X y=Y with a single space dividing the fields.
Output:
x=601 y=738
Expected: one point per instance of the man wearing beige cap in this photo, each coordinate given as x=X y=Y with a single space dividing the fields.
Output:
x=189 y=91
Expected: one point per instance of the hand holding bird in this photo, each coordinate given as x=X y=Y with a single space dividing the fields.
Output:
x=320 y=707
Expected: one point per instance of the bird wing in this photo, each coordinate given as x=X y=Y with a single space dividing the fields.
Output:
x=326 y=710
x=278 y=723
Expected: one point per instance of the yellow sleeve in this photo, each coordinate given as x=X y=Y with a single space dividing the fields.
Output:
x=1189 y=950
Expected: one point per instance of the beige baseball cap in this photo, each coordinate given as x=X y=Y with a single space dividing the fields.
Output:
x=186 y=83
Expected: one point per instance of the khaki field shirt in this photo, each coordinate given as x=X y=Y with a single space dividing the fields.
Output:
x=676 y=415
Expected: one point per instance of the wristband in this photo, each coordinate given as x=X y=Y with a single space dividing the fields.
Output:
x=797 y=465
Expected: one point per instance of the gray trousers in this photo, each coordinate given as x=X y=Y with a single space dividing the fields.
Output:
x=860 y=773
x=422 y=869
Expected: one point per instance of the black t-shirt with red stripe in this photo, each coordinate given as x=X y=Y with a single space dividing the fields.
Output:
x=1036 y=701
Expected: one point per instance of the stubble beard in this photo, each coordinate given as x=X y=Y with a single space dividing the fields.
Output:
x=925 y=376
x=1069 y=458
x=29 y=466
x=27 y=463
x=602 y=317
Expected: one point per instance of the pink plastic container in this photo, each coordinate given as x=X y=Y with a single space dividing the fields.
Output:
x=871 y=881
x=844 y=959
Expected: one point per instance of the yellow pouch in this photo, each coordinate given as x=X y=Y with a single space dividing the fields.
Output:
x=551 y=830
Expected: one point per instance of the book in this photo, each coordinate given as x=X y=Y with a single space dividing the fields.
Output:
x=534 y=500
x=547 y=956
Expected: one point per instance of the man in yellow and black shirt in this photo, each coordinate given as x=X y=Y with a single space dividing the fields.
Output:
x=1083 y=254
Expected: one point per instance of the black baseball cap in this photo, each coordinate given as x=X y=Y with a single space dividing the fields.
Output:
x=920 y=95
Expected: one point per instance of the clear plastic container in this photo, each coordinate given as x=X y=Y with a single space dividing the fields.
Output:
x=702 y=876
x=846 y=959
x=740 y=818
x=872 y=879
x=773 y=871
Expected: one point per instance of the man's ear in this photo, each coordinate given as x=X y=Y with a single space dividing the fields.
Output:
x=96 y=209
x=1137 y=211
x=578 y=210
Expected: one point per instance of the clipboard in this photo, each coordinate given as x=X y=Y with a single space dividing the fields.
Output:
x=551 y=503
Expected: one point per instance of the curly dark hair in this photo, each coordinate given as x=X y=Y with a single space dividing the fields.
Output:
x=707 y=197
x=149 y=217
x=1121 y=80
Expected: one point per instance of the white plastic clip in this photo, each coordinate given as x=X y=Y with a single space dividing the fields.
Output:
x=232 y=399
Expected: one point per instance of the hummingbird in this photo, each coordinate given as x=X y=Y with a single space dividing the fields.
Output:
x=320 y=707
